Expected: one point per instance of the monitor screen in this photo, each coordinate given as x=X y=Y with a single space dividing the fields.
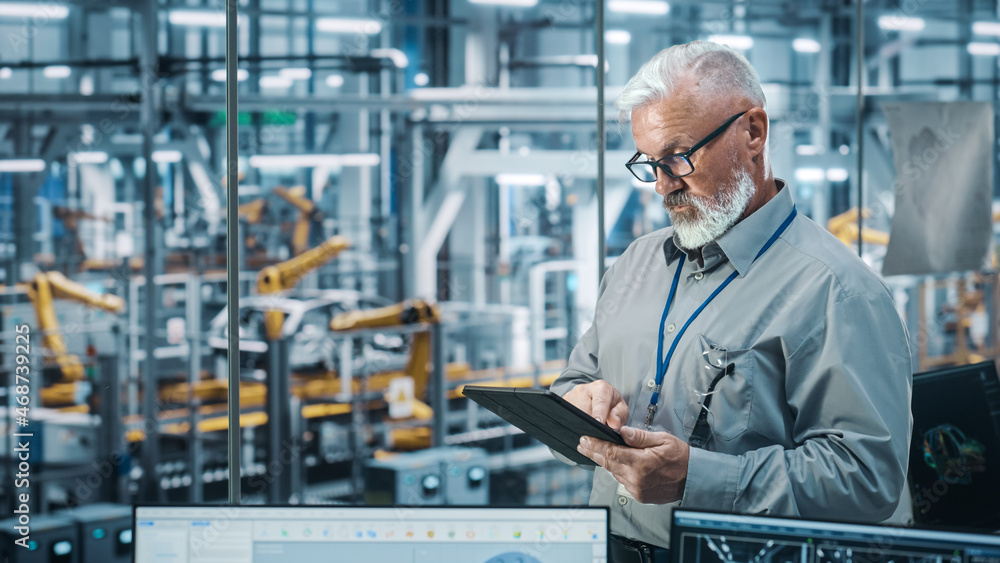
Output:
x=707 y=537
x=279 y=534
x=955 y=450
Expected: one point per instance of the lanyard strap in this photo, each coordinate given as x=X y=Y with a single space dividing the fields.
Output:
x=661 y=368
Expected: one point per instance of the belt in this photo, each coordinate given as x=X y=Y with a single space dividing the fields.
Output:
x=625 y=550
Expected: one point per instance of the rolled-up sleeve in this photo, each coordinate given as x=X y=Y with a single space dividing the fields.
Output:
x=848 y=386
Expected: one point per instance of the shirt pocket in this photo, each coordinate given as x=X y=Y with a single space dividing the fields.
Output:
x=732 y=396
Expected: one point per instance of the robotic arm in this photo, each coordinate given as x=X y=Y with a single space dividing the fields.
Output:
x=284 y=276
x=408 y=312
x=307 y=214
x=48 y=286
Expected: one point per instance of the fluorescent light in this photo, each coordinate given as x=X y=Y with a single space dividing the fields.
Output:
x=6 y=73
x=648 y=7
x=87 y=85
x=421 y=79
x=275 y=82
x=836 y=174
x=738 y=42
x=810 y=174
x=617 y=36
x=807 y=150
x=335 y=81
x=511 y=179
x=512 y=3
x=988 y=49
x=585 y=60
x=202 y=18
x=88 y=157
x=56 y=71
x=313 y=160
x=40 y=11
x=986 y=28
x=398 y=57
x=22 y=165
x=296 y=73
x=219 y=74
x=344 y=25
x=167 y=156
x=901 y=23
x=806 y=45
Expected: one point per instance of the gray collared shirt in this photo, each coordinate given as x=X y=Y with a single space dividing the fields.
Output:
x=813 y=421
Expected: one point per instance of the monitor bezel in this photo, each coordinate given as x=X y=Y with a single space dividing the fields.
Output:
x=605 y=509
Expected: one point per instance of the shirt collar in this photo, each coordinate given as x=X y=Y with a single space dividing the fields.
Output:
x=743 y=241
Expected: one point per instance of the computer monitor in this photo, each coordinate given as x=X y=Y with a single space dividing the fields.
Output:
x=708 y=537
x=345 y=534
x=955 y=450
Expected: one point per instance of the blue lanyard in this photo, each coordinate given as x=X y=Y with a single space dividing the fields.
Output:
x=661 y=368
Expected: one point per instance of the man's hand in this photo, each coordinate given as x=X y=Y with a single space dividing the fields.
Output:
x=601 y=401
x=653 y=469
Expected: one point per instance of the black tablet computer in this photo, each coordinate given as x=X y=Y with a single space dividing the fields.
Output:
x=545 y=416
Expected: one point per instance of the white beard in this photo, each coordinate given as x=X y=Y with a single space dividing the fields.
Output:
x=714 y=216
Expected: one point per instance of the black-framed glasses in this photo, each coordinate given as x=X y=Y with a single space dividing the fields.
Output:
x=674 y=165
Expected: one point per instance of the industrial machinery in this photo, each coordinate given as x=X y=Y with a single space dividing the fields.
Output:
x=308 y=214
x=307 y=320
x=845 y=227
x=429 y=477
x=71 y=220
x=412 y=311
x=42 y=291
x=284 y=276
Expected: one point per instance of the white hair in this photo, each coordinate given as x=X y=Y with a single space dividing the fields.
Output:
x=719 y=70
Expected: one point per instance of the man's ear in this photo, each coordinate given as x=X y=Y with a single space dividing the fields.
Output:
x=758 y=128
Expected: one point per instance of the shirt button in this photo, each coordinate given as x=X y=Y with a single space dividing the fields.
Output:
x=651 y=383
x=671 y=327
x=698 y=276
x=622 y=501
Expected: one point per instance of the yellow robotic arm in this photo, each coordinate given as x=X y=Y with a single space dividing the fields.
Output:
x=307 y=214
x=284 y=276
x=845 y=227
x=411 y=311
x=48 y=286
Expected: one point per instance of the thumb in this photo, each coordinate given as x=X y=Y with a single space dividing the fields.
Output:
x=638 y=438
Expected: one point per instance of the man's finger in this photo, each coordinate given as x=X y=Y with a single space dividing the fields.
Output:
x=609 y=456
x=618 y=416
x=601 y=405
x=639 y=438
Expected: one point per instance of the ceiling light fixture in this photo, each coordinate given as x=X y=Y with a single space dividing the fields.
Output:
x=167 y=156
x=901 y=23
x=738 y=42
x=296 y=73
x=806 y=45
x=527 y=180
x=40 y=11
x=984 y=49
x=57 y=71
x=646 y=7
x=22 y=165
x=345 y=25
x=313 y=160
x=986 y=28
x=509 y=3
x=617 y=37
x=219 y=74
x=275 y=82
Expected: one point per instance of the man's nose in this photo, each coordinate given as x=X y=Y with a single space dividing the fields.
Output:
x=665 y=183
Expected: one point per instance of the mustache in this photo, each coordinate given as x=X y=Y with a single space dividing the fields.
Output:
x=677 y=198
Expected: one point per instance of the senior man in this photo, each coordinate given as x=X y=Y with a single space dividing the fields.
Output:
x=753 y=363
